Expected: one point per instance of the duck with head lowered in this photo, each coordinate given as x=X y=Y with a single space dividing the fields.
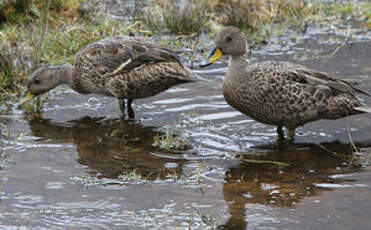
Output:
x=122 y=67
x=282 y=94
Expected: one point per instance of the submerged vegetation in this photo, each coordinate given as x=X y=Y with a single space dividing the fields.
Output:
x=38 y=32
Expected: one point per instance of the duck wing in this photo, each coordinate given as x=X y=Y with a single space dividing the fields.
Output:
x=304 y=75
x=118 y=55
x=338 y=86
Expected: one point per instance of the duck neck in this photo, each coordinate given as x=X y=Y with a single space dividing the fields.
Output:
x=62 y=74
x=238 y=61
x=237 y=64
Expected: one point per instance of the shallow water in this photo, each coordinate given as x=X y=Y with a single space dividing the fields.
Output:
x=79 y=166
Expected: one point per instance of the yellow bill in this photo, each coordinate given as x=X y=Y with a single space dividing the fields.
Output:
x=29 y=96
x=214 y=55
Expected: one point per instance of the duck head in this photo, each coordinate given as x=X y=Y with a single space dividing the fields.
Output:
x=229 y=41
x=44 y=79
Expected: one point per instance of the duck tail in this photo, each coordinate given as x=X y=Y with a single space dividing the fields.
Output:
x=363 y=109
x=362 y=92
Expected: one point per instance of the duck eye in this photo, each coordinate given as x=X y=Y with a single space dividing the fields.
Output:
x=229 y=39
x=36 y=81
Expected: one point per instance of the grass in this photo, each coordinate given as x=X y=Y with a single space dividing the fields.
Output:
x=28 y=41
x=7 y=153
x=169 y=141
x=16 y=11
x=359 y=158
x=365 y=15
x=132 y=177
x=36 y=32
x=190 y=16
x=174 y=17
x=258 y=19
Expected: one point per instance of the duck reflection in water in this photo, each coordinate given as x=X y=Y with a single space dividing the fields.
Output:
x=110 y=147
x=266 y=177
x=263 y=179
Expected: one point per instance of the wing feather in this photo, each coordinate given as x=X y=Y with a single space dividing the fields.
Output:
x=304 y=75
x=117 y=55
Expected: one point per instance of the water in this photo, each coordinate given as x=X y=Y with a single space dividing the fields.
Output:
x=78 y=166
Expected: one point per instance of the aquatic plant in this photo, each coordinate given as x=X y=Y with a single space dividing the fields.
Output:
x=359 y=157
x=169 y=141
x=132 y=177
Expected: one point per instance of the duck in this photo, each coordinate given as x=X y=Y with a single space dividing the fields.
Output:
x=282 y=94
x=123 y=67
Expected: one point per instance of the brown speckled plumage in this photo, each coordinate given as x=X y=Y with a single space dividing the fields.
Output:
x=121 y=67
x=282 y=93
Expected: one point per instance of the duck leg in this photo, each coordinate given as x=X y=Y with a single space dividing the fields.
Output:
x=290 y=135
x=122 y=106
x=130 y=109
x=280 y=133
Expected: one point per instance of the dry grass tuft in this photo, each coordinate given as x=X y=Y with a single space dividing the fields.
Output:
x=176 y=17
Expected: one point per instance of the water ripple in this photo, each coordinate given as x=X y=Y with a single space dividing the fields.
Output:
x=325 y=185
x=221 y=115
